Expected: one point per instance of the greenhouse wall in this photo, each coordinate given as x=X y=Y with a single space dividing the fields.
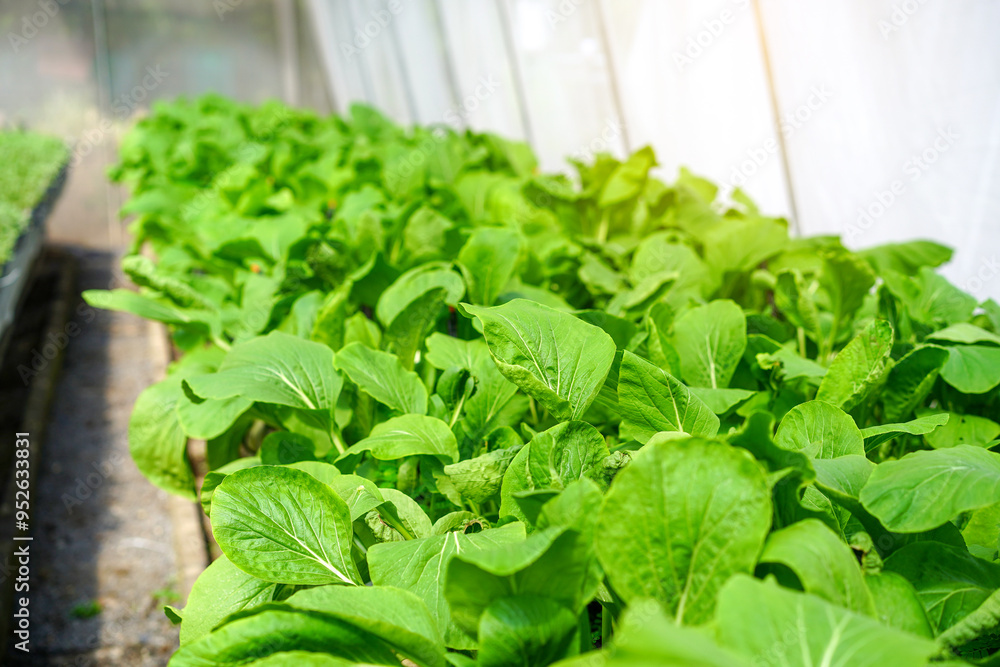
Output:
x=856 y=118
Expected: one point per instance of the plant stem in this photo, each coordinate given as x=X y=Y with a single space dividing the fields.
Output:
x=458 y=410
x=338 y=442
x=606 y=628
x=602 y=229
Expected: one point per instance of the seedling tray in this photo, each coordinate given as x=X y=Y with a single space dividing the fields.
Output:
x=16 y=273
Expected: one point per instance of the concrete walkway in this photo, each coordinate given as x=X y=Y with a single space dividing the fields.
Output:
x=104 y=543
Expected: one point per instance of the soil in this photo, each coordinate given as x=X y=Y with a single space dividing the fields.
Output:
x=104 y=560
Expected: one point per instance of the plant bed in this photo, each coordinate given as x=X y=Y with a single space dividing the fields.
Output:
x=33 y=171
x=463 y=413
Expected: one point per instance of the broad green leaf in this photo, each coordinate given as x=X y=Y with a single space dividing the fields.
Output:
x=858 y=368
x=414 y=284
x=965 y=333
x=841 y=479
x=487 y=261
x=627 y=180
x=285 y=526
x=479 y=479
x=226 y=447
x=555 y=563
x=788 y=629
x=661 y=253
x=847 y=279
x=798 y=303
x=200 y=320
x=789 y=365
x=599 y=277
x=721 y=401
x=961 y=430
x=419 y=566
x=741 y=245
x=402 y=515
x=329 y=326
x=321 y=470
x=575 y=507
x=404 y=334
x=156 y=440
x=397 y=617
x=222 y=589
x=982 y=532
x=278 y=628
x=651 y=400
x=525 y=631
x=756 y=436
x=972 y=369
x=925 y=489
x=897 y=604
x=819 y=430
x=282 y=447
x=906 y=258
x=361 y=495
x=682 y=518
x=950 y=582
x=215 y=477
x=425 y=234
x=455 y=521
x=823 y=563
x=554 y=357
x=516 y=478
x=924 y=425
x=209 y=418
x=382 y=376
x=407 y=435
x=930 y=298
x=984 y=620
x=911 y=380
x=710 y=340
x=445 y=352
x=495 y=403
x=564 y=453
x=302 y=659
x=277 y=368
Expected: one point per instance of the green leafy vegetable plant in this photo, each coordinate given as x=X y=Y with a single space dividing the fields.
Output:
x=457 y=412
x=29 y=163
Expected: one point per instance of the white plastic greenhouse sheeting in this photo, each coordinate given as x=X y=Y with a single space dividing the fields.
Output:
x=875 y=119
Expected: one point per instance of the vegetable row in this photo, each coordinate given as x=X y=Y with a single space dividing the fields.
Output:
x=459 y=412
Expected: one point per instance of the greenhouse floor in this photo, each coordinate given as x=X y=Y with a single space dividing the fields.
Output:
x=109 y=549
